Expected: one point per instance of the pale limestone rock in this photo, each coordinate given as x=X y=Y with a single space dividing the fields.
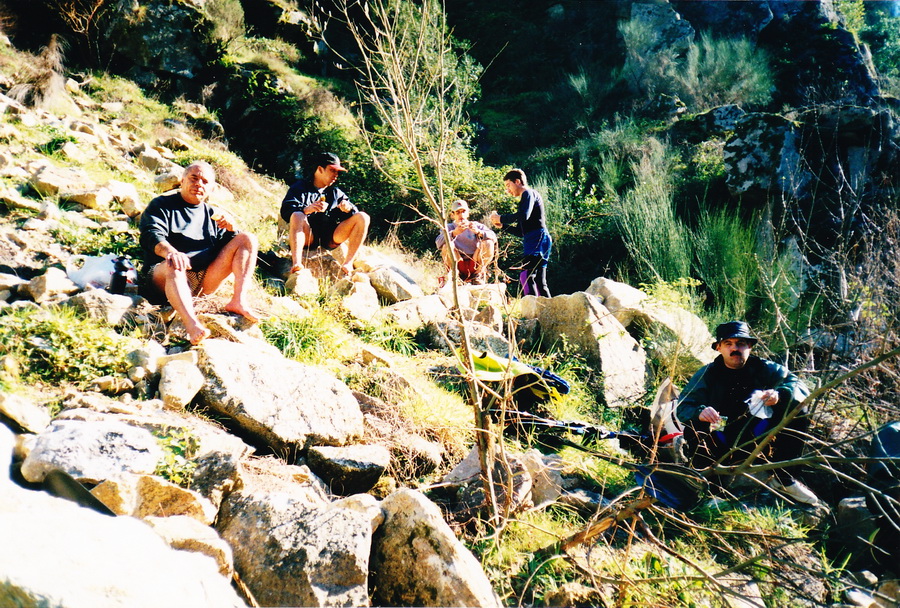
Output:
x=94 y=198
x=414 y=313
x=168 y=181
x=30 y=416
x=152 y=496
x=302 y=283
x=127 y=196
x=51 y=284
x=547 y=482
x=187 y=534
x=673 y=331
x=97 y=560
x=393 y=285
x=52 y=180
x=179 y=383
x=92 y=452
x=596 y=334
x=287 y=404
x=109 y=308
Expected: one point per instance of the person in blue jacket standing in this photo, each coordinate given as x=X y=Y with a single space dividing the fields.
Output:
x=529 y=221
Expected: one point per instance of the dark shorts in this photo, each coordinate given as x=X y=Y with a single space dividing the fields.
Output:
x=148 y=289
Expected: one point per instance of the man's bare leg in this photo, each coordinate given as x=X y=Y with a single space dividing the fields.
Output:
x=353 y=231
x=174 y=284
x=299 y=236
x=238 y=257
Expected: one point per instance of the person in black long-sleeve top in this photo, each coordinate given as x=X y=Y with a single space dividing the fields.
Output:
x=190 y=248
x=529 y=222
x=319 y=214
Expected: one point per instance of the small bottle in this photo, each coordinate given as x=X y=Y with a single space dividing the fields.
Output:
x=119 y=280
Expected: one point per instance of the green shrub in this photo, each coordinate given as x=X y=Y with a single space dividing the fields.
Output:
x=179 y=446
x=723 y=71
x=388 y=336
x=656 y=239
x=61 y=346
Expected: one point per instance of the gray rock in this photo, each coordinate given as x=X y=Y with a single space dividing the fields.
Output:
x=179 y=383
x=350 y=469
x=109 y=308
x=29 y=416
x=97 y=560
x=287 y=404
x=414 y=312
x=188 y=534
x=293 y=553
x=52 y=181
x=597 y=335
x=92 y=451
x=51 y=284
x=676 y=334
x=418 y=561
x=394 y=285
x=152 y=496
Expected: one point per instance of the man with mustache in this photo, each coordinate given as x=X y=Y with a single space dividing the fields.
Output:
x=734 y=400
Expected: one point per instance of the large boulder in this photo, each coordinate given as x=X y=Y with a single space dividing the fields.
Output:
x=674 y=333
x=290 y=552
x=96 y=560
x=597 y=335
x=418 y=561
x=92 y=451
x=286 y=404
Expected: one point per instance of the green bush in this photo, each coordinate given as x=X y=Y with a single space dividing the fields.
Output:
x=309 y=339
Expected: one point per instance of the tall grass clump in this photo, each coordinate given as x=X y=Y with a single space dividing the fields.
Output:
x=43 y=81
x=311 y=339
x=656 y=239
x=725 y=246
x=723 y=71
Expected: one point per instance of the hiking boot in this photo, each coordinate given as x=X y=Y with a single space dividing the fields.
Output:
x=797 y=491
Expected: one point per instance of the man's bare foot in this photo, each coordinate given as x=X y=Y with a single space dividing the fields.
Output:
x=240 y=309
x=347 y=268
x=296 y=268
x=197 y=334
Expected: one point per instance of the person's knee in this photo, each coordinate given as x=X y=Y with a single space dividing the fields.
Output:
x=364 y=219
x=299 y=221
x=247 y=240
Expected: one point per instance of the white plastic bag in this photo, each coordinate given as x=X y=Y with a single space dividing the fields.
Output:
x=84 y=270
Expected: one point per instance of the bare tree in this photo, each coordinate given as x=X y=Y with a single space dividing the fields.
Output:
x=417 y=87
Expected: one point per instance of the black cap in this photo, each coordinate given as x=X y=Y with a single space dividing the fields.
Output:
x=328 y=159
x=733 y=329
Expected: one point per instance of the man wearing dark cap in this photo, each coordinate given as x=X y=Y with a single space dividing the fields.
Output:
x=319 y=214
x=736 y=399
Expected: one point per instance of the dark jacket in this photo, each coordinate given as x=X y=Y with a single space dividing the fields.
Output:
x=188 y=228
x=717 y=386
x=303 y=193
